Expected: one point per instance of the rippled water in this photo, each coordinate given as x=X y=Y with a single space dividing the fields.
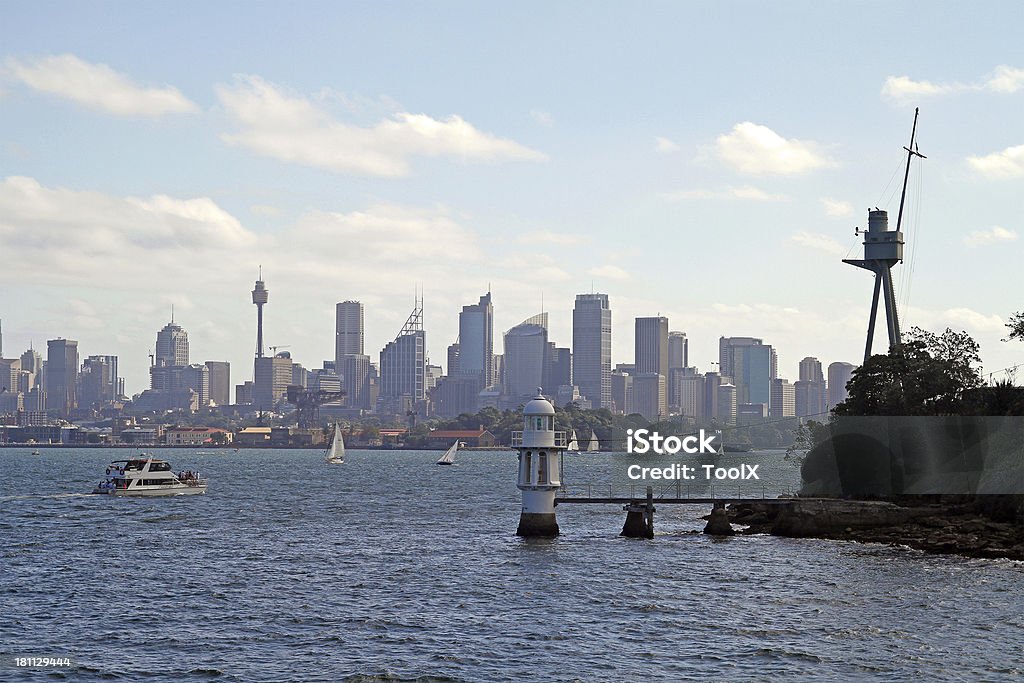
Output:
x=390 y=568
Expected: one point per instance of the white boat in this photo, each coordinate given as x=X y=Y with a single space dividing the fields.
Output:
x=593 y=446
x=449 y=455
x=147 y=476
x=336 y=451
x=35 y=452
x=574 y=445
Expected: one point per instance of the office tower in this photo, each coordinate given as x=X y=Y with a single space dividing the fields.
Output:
x=171 y=345
x=712 y=383
x=197 y=378
x=751 y=364
x=678 y=357
x=811 y=397
x=691 y=392
x=453 y=359
x=558 y=372
x=783 y=401
x=727 y=405
x=10 y=371
x=272 y=375
x=32 y=362
x=355 y=371
x=98 y=381
x=61 y=375
x=649 y=395
x=526 y=347
x=348 y=331
x=592 y=348
x=622 y=392
x=839 y=374
x=403 y=366
x=220 y=382
x=476 y=342
x=243 y=393
x=651 y=355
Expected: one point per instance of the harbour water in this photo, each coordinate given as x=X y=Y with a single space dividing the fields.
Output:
x=391 y=568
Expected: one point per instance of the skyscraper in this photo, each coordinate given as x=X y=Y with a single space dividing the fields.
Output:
x=751 y=364
x=678 y=350
x=220 y=381
x=811 y=398
x=170 y=359
x=592 y=348
x=272 y=375
x=526 y=358
x=403 y=367
x=98 y=381
x=839 y=374
x=651 y=356
x=61 y=375
x=348 y=331
x=476 y=342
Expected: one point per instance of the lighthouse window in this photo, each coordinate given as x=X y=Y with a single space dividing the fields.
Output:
x=526 y=466
x=542 y=468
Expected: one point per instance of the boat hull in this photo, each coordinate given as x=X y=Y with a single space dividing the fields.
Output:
x=171 y=491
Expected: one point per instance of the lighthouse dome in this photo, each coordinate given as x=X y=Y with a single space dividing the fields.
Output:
x=538 y=406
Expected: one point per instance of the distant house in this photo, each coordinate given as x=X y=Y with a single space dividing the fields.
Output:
x=389 y=437
x=471 y=438
x=194 y=436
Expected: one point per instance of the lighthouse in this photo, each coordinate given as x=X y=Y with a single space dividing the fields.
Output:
x=540 y=467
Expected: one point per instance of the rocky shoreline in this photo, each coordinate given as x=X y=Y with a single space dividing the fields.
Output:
x=972 y=528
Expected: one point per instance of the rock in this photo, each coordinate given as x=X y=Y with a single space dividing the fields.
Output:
x=718 y=523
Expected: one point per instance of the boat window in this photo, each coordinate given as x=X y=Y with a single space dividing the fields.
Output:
x=160 y=467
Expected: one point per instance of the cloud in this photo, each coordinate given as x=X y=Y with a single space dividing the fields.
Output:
x=837 y=208
x=293 y=129
x=542 y=117
x=1003 y=79
x=610 y=272
x=973 y=320
x=993 y=235
x=665 y=146
x=747 y=193
x=818 y=242
x=758 y=150
x=1006 y=164
x=556 y=238
x=97 y=86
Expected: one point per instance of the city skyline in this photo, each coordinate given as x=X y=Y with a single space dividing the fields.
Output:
x=719 y=193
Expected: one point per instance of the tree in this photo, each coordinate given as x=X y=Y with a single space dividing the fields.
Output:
x=928 y=375
x=1016 y=327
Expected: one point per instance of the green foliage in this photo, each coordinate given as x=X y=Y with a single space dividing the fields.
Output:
x=1016 y=327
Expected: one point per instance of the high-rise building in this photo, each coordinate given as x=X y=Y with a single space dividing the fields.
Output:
x=171 y=346
x=649 y=395
x=355 y=372
x=558 y=372
x=272 y=375
x=651 y=355
x=811 y=397
x=751 y=364
x=678 y=358
x=61 y=375
x=403 y=367
x=622 y=392
x=525 y=358
x=348 y=331
x=810 y=370
x=592 y=348
x=839 y=375
x=476 y=342
x=727 y=405
x=10 y=371
x=98 y=381
x=220 y=382
x=197 y=378
x=691 y=392
x=783 y=402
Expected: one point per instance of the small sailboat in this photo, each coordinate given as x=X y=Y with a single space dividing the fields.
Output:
x=449 y=455
x=336 y=451
x=593 y=446
x=573 y=445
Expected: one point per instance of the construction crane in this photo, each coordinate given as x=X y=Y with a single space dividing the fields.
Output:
x=273 y=349
x=307 y=403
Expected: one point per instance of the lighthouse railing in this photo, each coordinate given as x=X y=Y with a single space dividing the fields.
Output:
x=560 y=439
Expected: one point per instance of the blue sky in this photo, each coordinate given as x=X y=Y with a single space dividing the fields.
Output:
x=707 y=162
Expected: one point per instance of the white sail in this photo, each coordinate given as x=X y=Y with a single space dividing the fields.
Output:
x=593 y=445
x=449 y=455
x=336 y=452
x=574 y=445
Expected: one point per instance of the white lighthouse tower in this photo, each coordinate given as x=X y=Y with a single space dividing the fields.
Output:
x=540 y=467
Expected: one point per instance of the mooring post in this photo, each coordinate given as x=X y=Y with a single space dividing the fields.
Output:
x=650 y=512
x=639 y=517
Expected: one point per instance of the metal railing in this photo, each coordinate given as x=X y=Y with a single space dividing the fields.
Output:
x=677 y=491
x=560 y=439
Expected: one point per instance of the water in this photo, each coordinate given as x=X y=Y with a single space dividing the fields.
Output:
x=391 y=568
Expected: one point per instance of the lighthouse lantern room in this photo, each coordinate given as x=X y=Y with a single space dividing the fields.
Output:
x=540 y=467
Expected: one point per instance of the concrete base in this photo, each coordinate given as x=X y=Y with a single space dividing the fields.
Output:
x=718 y=523
x=537 y=524
x=639 y=522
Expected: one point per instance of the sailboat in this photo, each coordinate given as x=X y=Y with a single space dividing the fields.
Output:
x=449 y=455
x=336 y=451
x=593 y=446
x=574 y=445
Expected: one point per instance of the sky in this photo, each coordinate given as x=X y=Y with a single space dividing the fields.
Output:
x=708 y=162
